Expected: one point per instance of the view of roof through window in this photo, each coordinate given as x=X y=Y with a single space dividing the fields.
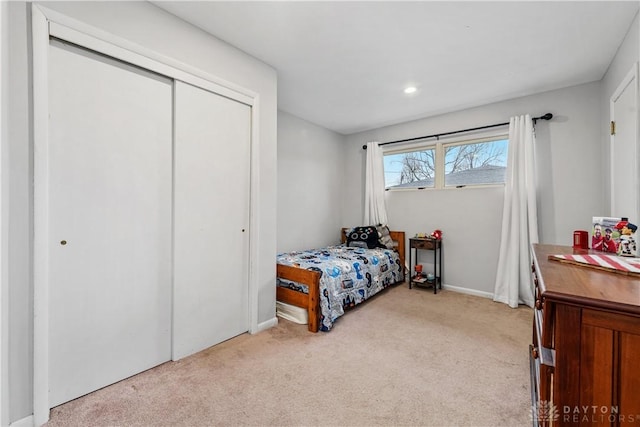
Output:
x=478 y=163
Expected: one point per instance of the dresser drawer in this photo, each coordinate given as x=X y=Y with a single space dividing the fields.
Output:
x=546 y=355
x=423 y=244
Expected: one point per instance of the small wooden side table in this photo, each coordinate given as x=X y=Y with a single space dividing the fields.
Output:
x=435 y=245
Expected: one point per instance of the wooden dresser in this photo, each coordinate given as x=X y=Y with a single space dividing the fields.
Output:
x=585 y=355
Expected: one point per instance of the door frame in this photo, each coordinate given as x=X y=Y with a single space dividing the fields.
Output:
x=46 y=23
x=630 y=78
x=4 y=207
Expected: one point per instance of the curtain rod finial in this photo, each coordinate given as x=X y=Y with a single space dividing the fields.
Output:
x=364 y=147
x=547 y=116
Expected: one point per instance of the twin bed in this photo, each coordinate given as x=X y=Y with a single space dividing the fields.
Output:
x=326 y=281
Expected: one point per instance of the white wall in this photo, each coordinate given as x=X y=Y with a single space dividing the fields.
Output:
x=310 y=182
x=570 y=173
x=152 y=28
x=4 y=168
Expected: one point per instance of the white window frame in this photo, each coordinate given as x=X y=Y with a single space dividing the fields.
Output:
x=440 y=146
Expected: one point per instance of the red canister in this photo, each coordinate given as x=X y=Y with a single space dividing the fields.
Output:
x=580 y=239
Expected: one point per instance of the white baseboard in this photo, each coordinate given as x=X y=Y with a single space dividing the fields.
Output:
x=25 y=422
x=468 y=291
x=267 y=325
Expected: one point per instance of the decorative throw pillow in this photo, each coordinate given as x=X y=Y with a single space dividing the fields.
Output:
x=385 y=237
x=363 y=237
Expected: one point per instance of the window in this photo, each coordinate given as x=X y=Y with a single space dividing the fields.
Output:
x=410 y=169
x=475 y=164
x=452 y=164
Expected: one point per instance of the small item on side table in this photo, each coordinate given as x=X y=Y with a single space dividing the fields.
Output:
x=419 y=279
x=606 y=262
x=627 y=246
x=580 y=239
x=418 y=275
x=605 y=237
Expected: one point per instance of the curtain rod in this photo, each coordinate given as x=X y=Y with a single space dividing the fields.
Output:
x=547 y=116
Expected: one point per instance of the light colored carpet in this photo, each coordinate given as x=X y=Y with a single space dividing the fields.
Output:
x=403 y=358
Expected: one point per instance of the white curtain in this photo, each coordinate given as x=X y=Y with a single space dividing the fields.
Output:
x=375 y=211
x=519 y=217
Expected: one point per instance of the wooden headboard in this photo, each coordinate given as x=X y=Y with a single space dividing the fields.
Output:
x=396 y=236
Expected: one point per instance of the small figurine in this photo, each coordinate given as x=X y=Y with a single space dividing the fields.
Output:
x=627 y=246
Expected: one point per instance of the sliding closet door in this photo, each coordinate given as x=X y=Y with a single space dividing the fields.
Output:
x=109 y=204
x=211 y=218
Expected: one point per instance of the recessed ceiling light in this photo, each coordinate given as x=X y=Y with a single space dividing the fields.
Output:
x=410 y=89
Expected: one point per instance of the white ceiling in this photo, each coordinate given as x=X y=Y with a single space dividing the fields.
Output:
x=344 y=65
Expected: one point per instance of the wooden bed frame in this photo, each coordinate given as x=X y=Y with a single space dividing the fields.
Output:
x=311 y=301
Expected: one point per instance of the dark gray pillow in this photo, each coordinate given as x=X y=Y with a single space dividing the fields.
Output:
x=363 y=237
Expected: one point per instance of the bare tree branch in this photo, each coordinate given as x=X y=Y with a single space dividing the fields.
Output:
x=420 y=165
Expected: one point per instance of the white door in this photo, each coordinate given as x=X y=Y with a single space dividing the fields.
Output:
x=109 y=203
x=624 y=150
x=211 y=219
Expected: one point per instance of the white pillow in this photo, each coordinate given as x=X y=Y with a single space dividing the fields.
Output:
x=384 y=236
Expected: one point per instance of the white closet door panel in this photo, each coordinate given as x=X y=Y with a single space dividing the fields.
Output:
x=624 y=154
x=110 y=221
x=211 y=217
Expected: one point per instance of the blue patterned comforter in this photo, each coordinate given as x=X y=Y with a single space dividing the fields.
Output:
x=349 y=276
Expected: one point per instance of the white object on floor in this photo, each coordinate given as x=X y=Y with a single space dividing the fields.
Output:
x=291 y=312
